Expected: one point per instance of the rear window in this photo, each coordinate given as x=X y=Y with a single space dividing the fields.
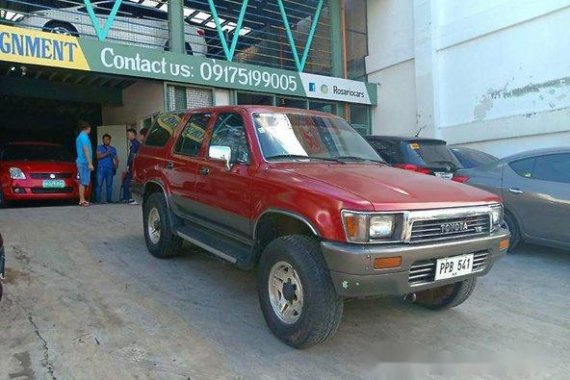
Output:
x=431 y=154
x=162 y=129
x=36 y=153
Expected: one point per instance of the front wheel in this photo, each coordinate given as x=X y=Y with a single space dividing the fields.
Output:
x=296 y=293
x=159 y=233
x=511 y=225
x=447 y=296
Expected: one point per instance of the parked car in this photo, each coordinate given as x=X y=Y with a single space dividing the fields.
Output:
x=421 y=155
x=304 y=198
x=472 y=158
x=31 y=171
x=142 y=26
x=2 y=265
x=535 y=187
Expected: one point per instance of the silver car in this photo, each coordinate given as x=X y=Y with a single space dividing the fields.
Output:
x=535 y=187
x=137 y=25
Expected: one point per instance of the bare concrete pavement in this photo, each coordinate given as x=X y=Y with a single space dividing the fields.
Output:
x=85 y=300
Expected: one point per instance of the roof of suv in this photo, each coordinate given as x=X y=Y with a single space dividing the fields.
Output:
x=256 y=108
x=405 y=139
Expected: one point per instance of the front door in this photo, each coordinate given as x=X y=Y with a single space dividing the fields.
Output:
x=224 y=194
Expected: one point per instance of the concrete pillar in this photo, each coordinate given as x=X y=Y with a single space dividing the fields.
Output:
x=426 y=68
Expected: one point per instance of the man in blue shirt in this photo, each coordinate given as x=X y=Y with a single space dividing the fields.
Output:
x=106 y=168
x=84 y=161
x=134 y=145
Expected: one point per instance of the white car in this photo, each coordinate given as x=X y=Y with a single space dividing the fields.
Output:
x=134 y=25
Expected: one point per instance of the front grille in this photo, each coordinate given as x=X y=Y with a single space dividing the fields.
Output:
x=423 y=230
x=423 y=272
x=48 y=175
x=41 y=190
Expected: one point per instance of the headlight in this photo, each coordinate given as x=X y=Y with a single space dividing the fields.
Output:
x=17 y=173
x=381 y=226
x=497 y=215
x=362 y=227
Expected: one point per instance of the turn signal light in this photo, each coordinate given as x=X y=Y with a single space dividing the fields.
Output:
x=387 y=262
x=503 y=244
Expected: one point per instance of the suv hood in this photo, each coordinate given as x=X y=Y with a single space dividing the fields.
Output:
x=389 y=189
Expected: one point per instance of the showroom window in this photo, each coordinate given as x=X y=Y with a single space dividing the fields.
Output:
x=356 y=38
x=248 y=98
x=360 y=118
x=183 y=97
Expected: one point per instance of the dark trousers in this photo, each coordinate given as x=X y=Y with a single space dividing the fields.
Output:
x=126 y=185
x=104 y=177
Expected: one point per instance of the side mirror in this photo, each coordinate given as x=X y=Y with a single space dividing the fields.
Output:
x=220 y=152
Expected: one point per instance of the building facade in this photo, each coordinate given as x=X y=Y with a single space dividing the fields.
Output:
x=489 y=74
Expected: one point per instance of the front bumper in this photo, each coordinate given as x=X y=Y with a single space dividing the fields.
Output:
x=352 y=266
x=32 y=189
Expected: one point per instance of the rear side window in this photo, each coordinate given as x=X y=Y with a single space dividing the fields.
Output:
x=162 y=129
x=192 y=136
x=524 y=168
x=432 y=154
x=553 y=168
x=388 y=151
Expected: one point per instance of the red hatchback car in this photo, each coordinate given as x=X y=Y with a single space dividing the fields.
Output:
x=36 y=171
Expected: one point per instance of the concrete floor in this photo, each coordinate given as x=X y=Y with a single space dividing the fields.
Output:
x=85 y=300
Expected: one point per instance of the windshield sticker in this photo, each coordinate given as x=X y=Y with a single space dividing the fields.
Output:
x=261 y=130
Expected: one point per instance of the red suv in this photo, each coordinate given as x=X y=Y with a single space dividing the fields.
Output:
x=33 y=171
x=304 y=198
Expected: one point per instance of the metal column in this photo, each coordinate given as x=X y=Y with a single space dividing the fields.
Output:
x=176 y=26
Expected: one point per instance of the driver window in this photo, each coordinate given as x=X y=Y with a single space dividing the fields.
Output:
x=229 y=130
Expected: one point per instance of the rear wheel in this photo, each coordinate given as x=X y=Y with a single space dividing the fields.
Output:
x=159 y=233
x=296 y=293
x=511 y=224
x=447 y=296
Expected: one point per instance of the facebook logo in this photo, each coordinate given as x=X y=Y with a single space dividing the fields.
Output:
x=312 y=87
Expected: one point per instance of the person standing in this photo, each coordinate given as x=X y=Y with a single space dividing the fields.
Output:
x=127 y=178
x=107 y=163
x=84 y=161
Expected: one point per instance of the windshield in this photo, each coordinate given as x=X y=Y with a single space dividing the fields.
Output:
x=36 y=153
x=432 y=154
x=298 y=136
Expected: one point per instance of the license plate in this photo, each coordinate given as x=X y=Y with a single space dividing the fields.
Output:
x=444 y=175
x=453 y=267
x=53 y=184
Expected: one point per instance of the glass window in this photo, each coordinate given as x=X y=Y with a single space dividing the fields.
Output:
x=298 y=136
x=523 y=167
x=292 y=103
x=248 y=98
x=323 y=107
x=192 y=136
x=553 y=168
x=230 y=131
x=360 y=118
x=356 y=38
x=162 y=129
x=388 y=150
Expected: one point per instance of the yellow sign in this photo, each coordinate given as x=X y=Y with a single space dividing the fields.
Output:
x=41 y=48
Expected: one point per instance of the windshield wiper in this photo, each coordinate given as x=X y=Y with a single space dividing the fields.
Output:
x=356 y=158
x=299 y=156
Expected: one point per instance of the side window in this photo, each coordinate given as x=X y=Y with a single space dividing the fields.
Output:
x=230 y=131
x=162 y=130
x=553 y=168
x=524 y=167
x=190 y=140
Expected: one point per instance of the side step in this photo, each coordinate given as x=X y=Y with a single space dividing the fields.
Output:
x=222 y=246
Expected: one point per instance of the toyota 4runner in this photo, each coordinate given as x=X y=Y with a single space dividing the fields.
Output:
x=303 y=198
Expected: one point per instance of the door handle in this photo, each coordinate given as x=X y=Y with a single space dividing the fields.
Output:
x=514 y=190
x=204 y=171
x=169 y=165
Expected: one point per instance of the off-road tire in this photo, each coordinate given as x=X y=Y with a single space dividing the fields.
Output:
x=169 y=244
x=447 y=296
x=513 y=227
x=322 y=307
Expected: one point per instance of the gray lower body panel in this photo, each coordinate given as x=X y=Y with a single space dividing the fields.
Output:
x=353 y=273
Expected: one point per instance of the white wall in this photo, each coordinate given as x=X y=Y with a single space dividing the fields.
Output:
x=492 y=74
x=140 y=100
